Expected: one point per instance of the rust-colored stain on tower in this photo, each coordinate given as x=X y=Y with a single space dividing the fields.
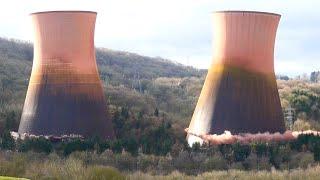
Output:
x=65 y=95
x=240 y=93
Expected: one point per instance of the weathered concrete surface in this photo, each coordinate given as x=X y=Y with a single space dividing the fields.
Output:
x=65 y=95
x=240 y=93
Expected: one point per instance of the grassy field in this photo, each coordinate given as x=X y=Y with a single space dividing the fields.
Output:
x=307 y=174
x=86 y=166
x=100 y=172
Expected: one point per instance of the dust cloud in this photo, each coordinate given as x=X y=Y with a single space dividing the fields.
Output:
x=245 y=138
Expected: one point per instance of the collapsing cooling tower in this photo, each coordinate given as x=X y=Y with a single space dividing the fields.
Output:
x=65 y=95
x=240 y=92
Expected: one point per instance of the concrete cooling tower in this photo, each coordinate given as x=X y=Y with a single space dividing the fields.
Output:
x=240 y=93
x=65 y=95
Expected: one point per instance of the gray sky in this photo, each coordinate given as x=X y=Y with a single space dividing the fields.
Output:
x=179 y=30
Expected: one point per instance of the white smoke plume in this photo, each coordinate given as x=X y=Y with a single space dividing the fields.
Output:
x=245 y=138
x=16 y=136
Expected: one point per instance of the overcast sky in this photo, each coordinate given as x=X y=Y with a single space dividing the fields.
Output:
x=179 y=30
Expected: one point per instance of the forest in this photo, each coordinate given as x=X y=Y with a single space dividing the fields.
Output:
x=151 y=101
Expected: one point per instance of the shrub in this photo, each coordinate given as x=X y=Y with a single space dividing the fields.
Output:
x=146 y=162
x=260 y=148
x=6 y=141
x=125 y=161
x=131 y=145
x=227 y=151
x=107 y=158
x=72 y=169
x=11 y=121
x=241 y=152
x=195 y=147
x=264 y=164
x=86 y=157
x=184 y=162
x=176 y=148
x=301 y=160
x=316 y=152
x=77 y=145
x=157 y=140
x=104 y=146
x=117 y=146
x=215 y=162
x=251 y=162
x=100 y=172
x=278 y=154
x=237 y=165
x=15 y=167
x=35 y=144
x=305 y=142
x=165 y=165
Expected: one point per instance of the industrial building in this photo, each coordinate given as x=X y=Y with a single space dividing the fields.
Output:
x=240 y=92
x=65 y=95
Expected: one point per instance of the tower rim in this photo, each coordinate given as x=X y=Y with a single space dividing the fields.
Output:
x=249 y=12
x=63 y=11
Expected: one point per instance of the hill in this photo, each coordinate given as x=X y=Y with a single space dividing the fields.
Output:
x=136 y=82
x=117 y=62
x=143 y=85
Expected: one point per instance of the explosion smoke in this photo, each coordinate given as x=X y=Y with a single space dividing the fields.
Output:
x=246 y=138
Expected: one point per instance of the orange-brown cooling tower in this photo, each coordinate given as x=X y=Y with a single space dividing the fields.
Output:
x=65 y=95
x=240 y=92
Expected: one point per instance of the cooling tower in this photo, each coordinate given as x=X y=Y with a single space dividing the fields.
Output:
x=240 y=93
x=65 y=95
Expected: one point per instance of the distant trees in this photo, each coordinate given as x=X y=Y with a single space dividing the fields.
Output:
x=158 y=140
x=129 y=154
x=11 y=121
x=315 y=76
x=156 y=112
x=305 y=101
x=282 y=77
x=241 y=151
x=304 y=98
x=6 y=141
x=153 y=133
x=40 y=145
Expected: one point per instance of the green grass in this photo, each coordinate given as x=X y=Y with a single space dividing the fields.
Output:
x=11 y=178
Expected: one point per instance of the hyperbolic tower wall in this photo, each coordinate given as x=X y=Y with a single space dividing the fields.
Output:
x=65 y=95
x=240 y=92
